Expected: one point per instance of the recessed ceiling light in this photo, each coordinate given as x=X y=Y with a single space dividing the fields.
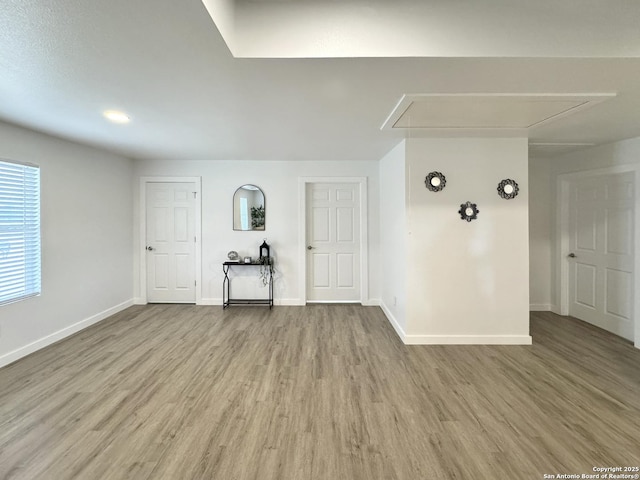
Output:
x=116 y=117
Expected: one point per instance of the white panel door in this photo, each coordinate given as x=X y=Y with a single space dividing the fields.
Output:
x=601 y=213
x=333 y=242
x=170 y=242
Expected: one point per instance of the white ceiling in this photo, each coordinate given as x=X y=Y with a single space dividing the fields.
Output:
x=62 y=62
x=429 y=28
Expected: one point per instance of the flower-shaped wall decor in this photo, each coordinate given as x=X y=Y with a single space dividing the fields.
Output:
x=435 y=181
x=468 y=211
x=508 y=189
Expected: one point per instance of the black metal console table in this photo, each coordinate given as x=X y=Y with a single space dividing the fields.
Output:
x=226 y=286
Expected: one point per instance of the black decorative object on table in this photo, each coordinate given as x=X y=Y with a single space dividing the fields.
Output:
x=266 y=264
x=468 y=211
x=435 y=181
x=264 y=250
x=508 y=189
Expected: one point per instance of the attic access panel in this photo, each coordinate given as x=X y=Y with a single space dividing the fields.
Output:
x=485 y=111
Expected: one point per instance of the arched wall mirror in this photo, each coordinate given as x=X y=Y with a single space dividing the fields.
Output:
x=248 y=208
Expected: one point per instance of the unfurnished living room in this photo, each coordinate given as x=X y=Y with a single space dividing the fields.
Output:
x=312 y=239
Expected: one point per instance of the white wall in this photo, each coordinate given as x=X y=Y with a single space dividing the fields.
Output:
x=468 y=282
x=623 y=155
x=543 y=202
x=279 y=182
x=393 y=237
x=86 y=241
x=616 y=154
x=541 y=231
x=625 y=152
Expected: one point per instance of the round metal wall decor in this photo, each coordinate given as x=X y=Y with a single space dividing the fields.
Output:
x=508 y=189
x=435 y=181
x=468 y=211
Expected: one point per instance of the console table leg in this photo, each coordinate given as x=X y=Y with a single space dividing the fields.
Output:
x=270 y=294
x=225 y=287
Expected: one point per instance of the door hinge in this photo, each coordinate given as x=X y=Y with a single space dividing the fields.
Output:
x=194 y=194
x=195 y=283
x=194 y=240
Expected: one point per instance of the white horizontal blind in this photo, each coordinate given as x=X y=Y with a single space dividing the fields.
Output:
x=19 y=231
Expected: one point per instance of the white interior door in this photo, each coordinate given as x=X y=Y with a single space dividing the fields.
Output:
x=170 y=242
x=601 y=216
x=333 y=242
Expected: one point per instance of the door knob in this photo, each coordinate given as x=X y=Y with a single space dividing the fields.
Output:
x=310 y=247
x=150 y=248
x=572 y=255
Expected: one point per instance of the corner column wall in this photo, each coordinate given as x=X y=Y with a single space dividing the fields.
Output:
x=467 y=282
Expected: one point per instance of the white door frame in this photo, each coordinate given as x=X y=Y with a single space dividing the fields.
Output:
x=144 y=181
x=563 y=244
x=302 y=233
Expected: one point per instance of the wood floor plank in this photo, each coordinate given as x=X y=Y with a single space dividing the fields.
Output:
x=317 y=392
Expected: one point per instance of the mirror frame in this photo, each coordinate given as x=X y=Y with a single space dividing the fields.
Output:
x=503 y=184
x=431 y=186
x=264 y=206
x=463 y=211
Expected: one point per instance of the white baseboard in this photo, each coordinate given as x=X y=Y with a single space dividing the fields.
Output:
x=540 y=307
x=454 y=339
x=210 y=301
x=555 y=309
x=333 y=302
x=139 y=301
x=292 y=302
x=393 y=321
x=372 y=302
x=276 y=301
x=467 y=340
x=18 y=353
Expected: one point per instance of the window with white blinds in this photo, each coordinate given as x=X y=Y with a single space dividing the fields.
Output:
x=19 y=231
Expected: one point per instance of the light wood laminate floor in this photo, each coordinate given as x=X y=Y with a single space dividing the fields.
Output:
x=317 y=392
